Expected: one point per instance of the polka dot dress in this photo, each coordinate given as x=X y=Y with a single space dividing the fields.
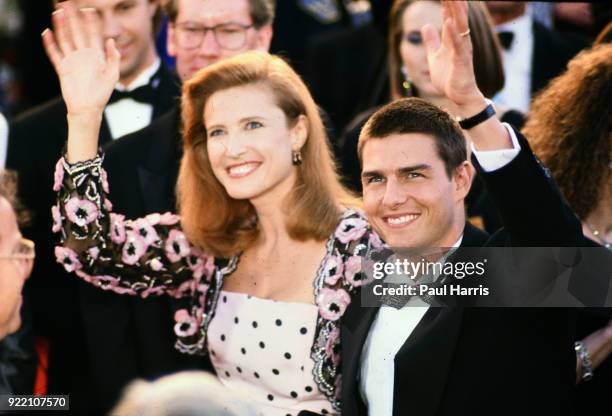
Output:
x=261 y=348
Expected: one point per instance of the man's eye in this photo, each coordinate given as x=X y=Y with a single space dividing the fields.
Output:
x=253 y=125
x=413 y=175
x=375 y=179
x=125 y=6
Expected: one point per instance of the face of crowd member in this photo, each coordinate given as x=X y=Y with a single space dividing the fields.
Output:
x=195 y=48
x=130 y=24
x=250 y=143
x=13 y=272
x=412 y=47
x=407 y=194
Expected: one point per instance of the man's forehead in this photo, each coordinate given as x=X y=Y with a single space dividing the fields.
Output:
x=213 y=12
x=399 y=149
x=99 y=4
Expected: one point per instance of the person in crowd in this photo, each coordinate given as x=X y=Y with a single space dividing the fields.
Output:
x=16 y=257
x=144 y=91
x=143 y=170
x=569 y=130
x=431 y=360
x=267 y=243
x=186 y=394
x=409 y=76
x=532 y=53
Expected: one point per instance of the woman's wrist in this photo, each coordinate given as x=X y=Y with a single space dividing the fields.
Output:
x=83 y=132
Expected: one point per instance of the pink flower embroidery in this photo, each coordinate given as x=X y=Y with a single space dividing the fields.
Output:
x=186 y=325
x=332 y=303
x=146 y=231
x=185 y=288
x=134 y=248
x=352 y=269
x=117 y=228
x=68 y=258
x=81 y=211
x=104 y=179
x=94 y=252
x=108 y=205
x=168 y=218
x=58 y=176
x=375 y=241
x=57 y=219
x=153 y=219
x=332 y=347
x=176 y=246
x=157 y=290
x=351 y=229
x=333 y=269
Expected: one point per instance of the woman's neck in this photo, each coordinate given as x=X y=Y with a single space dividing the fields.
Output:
x=599 y=221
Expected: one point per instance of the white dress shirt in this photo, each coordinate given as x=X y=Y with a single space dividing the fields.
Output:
x=3 y=140
x=392 y=327
x=127 y=115
x=517 y=62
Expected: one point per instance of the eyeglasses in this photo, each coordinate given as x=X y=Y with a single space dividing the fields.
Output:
x=231 y=36
x=23 y=251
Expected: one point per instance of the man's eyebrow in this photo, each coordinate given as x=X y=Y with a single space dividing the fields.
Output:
x=371 y=174
x=413 y=168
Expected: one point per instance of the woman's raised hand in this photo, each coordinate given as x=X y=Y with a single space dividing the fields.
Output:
x=86 y=64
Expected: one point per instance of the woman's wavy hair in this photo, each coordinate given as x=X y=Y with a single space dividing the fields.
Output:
x=570 y=128
x=487 y=59
x=222 y=225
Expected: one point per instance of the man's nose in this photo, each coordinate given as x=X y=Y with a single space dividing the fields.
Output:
x=209 y=46
x=395 y=195
x=111 y=27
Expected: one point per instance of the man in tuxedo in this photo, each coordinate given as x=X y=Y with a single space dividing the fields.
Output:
x=131 y=337
x=427 y=360
x=533 y=54
x=146 y=90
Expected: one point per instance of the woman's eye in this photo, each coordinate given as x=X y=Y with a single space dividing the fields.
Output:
x=215 y=133
x=253 y=125
x=414 y=38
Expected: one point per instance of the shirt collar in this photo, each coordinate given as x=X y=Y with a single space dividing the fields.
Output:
x=143 y=79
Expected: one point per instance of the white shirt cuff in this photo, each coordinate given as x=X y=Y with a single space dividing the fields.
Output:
x=491 y=160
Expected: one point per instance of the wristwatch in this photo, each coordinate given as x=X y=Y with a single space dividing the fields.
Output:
x=484 y=115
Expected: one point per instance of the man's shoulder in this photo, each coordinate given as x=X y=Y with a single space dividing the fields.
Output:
x=52 y=111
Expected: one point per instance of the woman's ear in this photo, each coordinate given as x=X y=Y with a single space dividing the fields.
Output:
x=299 y=132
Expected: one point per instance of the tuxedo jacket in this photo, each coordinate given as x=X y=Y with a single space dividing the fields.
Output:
x=36 y=142
x=552 y=51
x=476 y=361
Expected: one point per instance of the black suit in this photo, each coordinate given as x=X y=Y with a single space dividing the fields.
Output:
x=36 y=142
x=473 y=361
x=551 y=53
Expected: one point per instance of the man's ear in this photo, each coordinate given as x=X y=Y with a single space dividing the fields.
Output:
x=264 y=38
x=170 y=46
x=463 y=176
x=299 y=132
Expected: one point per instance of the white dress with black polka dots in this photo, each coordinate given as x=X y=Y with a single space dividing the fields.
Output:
x=261 y=348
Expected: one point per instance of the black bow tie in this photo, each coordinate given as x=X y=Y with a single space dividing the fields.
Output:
x=144 y=94
x=505 y=38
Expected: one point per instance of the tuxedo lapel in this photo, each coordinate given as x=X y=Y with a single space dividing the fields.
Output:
x=422 y=364
x=356 y=323
x=168 y=91
x=158 y=174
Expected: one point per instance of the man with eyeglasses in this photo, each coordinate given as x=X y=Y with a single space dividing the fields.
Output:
x=128 y=337
x=16 y=259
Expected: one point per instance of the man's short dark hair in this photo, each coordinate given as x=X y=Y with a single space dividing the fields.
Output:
x=8 y=191
x=261 y=11
x=415 y=115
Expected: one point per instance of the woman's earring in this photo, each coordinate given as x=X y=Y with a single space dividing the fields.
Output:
x=297 y=157
x=406 y=84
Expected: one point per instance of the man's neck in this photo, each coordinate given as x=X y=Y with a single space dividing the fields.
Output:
x=149 y=61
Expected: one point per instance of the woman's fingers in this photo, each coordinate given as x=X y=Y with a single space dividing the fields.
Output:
x=73 y=19
x=112 y=55
x=92 y=28
x=63 y=37
x=53 y=52
x=431 y=39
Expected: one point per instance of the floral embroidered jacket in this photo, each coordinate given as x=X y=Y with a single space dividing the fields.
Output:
x=151 y=256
